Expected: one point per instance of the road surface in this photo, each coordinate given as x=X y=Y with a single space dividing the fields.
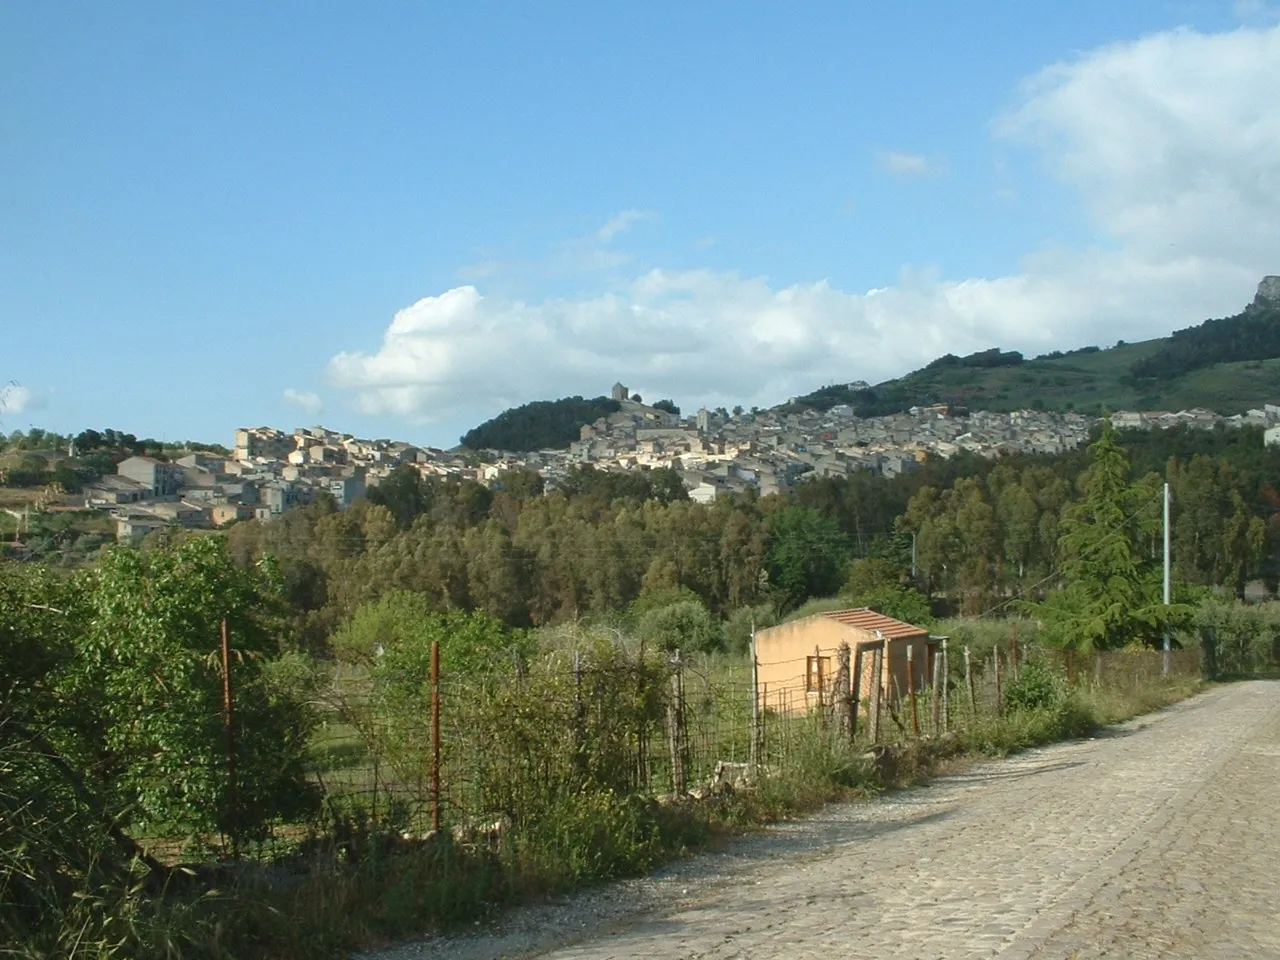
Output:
x=1160 y=838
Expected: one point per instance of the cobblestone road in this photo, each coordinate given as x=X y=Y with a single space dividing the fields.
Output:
x=1159 y=839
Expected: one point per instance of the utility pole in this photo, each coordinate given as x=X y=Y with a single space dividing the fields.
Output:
x=1167 y=653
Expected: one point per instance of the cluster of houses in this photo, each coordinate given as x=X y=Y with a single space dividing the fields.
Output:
x=715 y=452
x=267 y=473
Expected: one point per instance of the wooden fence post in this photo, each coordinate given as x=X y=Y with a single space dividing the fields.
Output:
x=911 y=690
x=936 y=695
x=946 y=684
x=855 y=692
x=968 y=682
x=877 y=691
x=675 y=728
x=843 y=698
x=999 y=689
x=817 y=667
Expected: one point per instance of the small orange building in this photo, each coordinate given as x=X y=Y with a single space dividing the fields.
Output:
x=797 y=661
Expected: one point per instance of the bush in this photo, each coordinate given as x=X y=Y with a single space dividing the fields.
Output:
x=1238 y=639
x=591 y=835
x=685 y=625
x=1037 y=687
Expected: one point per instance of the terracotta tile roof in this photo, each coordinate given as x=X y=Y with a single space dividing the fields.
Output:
x=864 y=618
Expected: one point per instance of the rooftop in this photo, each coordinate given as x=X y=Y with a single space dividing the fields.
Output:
x=864 y=618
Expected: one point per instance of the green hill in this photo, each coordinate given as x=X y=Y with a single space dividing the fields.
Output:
x=1226 y=365
x=539 y=425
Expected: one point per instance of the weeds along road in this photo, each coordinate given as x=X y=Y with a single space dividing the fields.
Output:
x=1160 y=838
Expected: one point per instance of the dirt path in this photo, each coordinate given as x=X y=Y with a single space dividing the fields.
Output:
x=1159 y=839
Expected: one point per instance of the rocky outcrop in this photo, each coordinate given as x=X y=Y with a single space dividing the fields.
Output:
x=1268 y=295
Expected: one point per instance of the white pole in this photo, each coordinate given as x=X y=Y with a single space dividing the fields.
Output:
x=1166 y=659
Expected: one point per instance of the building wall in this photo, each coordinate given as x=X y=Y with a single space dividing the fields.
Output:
x=785 y=652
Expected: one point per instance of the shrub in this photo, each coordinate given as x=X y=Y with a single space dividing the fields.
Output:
x=1238 y=639
x=1037 y=687
x=685 y=625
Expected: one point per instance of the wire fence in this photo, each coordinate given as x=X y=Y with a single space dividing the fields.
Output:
x=476 y=753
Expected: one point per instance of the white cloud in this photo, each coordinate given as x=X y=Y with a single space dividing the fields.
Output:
x=306 y=400
x=902 y=164
x=621 y=223
x=1256 y=11
x=14 y=399
x=1172 y=143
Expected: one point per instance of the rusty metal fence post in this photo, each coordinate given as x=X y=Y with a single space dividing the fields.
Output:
x=435 y=735
x=228 y=716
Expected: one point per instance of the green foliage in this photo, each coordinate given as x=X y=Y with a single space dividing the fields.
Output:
x=684 y=625
x=1018 y=730
x=592 y=835
x=404 y=492
x=539 y=425
x=1238 y=640
x=150 y=667
x=878 y=583
x=1111 y=596
x=669 y=406
x=807 y=555
x=1038 y=686
x=469 y=643
x=1251 y=335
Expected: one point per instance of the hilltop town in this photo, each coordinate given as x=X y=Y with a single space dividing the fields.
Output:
x=716 y=452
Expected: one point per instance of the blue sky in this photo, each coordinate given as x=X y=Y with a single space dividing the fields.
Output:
x=397 y=221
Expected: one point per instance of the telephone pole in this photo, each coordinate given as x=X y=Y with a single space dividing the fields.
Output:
x=1167 y=655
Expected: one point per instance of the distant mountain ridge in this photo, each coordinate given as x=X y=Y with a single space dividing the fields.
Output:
x=1227 y=365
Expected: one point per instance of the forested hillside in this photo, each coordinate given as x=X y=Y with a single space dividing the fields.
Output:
x=1226 y=365
x=985 y=531
x=1252 y=335
x=539 y=425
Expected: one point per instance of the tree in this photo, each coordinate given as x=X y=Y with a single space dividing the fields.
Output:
x=404 y=492
x=684 y=625
x=877 y=583
x=148 y=662
x=1111 y=597
x=806 y=556
x=393 y=634
x=669 y=406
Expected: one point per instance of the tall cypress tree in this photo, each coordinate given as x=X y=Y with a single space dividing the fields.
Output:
x=1111 y=596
